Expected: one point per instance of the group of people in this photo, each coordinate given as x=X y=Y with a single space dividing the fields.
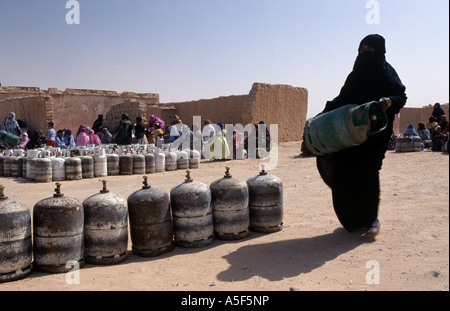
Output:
x=211 y=139
x=434 y=133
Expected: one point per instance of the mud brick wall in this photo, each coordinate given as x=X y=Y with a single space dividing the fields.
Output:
x=72 y=107
x=35 y=111
x=284 y=105
x=274 y=104
x=133 y=108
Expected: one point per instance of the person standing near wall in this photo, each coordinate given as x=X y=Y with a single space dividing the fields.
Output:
x=50 y=138
x=139 y=131
x=124 y=132
x=353 y=173
x=97 y=126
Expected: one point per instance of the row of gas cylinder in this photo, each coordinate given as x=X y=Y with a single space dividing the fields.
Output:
x=96 y=231
x=408 y=144
x=43 y=168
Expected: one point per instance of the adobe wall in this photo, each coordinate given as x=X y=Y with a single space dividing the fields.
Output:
x=274 y=104
x=73 y=107
x=284 y=105
x=35 y=111
x=225 y=109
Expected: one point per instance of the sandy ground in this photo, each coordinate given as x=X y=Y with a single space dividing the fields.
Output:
x=312 y=252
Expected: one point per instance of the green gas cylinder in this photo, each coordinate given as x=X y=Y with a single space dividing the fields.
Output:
x=345 y=127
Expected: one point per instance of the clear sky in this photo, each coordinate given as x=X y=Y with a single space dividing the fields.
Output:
x=193 y=49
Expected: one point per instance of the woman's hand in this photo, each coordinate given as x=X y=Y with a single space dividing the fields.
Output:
x=385 y=103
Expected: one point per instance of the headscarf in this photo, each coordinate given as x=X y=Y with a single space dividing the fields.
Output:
x=10 y=124
x=371 y=79
x=24 y=140
x=437 y=111
x=152 y=121
x=82 y=137
x=410 y=130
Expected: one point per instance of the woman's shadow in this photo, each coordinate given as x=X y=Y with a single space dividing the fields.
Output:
x=284 y=259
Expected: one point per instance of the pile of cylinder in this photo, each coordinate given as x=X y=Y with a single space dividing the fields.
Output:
x=65 y=231
x=56 y=164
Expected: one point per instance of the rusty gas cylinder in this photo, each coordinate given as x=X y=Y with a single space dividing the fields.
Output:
x=230 y=207
x=112 y=162
x=192 y=213
x=126 y=164
x=58 y=224
x=73 y=167
x=265 y=202
x=15 y=239
x=171 y=160
x=87 y=166
x=138 y=163
x=7 y=165
x=194 y=159
x=23 y=160
x=151 y=227
x=105 y=228
x=150 y=164
x=43 y=170
x=182 y=159
x=16 y=167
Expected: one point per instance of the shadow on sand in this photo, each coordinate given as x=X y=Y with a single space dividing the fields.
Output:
x=284 y=259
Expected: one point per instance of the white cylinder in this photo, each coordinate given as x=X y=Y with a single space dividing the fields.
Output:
x=58 y=169
x=100 y=166
x=160 y=162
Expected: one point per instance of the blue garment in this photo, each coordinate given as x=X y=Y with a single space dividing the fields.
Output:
x=59 y=143
x=69 y=141
x=410 y=130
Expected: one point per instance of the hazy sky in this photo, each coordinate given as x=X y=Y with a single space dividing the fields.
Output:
x=193 y=49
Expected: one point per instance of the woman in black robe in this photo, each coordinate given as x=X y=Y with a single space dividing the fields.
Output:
x=353 y=173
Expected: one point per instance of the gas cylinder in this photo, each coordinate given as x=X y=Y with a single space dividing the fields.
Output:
x=229 y=199
x=112 y=160
x=160 y=162
x=58 y=224
x=43 y=171
x=87 y=166
x=73 y=168
x=182 y=159
x=105 y=228
x=192 y=213
x=100 y=163
x=151 y=226
x=126 y=164
x=138 y=163
x=58 y=169
x=15 y=239
x=265 y=202
x=7 y=166
x=194 y=159
x=171 y=160
x=31 y=154
x=2 y=161
x=23 y=163
x=16 y=167
x=344 y=127
x=149 y=163
x=408 y=144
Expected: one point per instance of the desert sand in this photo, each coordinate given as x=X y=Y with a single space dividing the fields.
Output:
x=312 y=252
